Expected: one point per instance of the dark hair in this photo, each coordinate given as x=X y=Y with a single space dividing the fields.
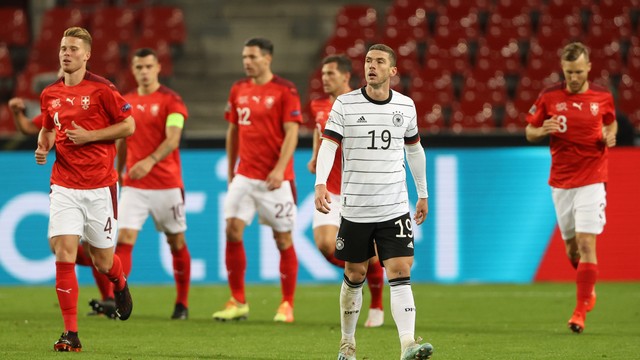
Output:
x=572 y=52
x=80 y=33
x=144 y=52
x=341 y=60
x=387 y=49
x=266 y=46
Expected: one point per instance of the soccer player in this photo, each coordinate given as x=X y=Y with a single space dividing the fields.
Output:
x=336 y=73
x=83 y=114
x=579 y=118
x=374 y=127
x=264 y=115
x=152 y=183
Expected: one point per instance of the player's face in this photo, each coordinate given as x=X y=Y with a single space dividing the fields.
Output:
x=74 y=54
x=576 y=74
x=255 y=63
x=333 y=81
x=378 y=69
x=145 y=70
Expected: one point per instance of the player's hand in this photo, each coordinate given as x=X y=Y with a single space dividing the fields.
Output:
x=41 y=155
x=551 y=125
x=16 y=105
x=274 y=179
x=311 y=165
x=422 y=209
x=608 y=137
x=322 y=199
x=78 y=135
x=141 y=168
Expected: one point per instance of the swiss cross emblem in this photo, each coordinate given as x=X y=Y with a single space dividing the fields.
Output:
x=595 y=108
x=85 y=102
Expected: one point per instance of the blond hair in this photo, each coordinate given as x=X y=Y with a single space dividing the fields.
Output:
x=80 y=33
x=572 y=52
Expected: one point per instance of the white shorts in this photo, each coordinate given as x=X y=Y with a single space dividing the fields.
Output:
x=276 y=208
x=333 y=217
x=166 y=207
x=89 y=214
x=580 y=209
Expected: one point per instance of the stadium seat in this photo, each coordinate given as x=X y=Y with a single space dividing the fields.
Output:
x=14 y=27
x=514 y=119
x=360 y=20
x=606 y=62
x=554 y=34
x=628 y=91
x=54 y=22
x=497 y=62
x=474 y=112
x=502 y=30
x=509 y=9
x=114 y=23
x=7 y=126
x=166 y=22
x=105 y=59
x=429 y=112
x=6 y=72
x=560 y=8
x=458 y=9
x=610 y=9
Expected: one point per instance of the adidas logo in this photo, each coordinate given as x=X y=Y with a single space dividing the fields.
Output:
x=410 y=245
x=361 y=120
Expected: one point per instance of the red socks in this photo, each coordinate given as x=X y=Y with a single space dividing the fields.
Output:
x=182 y=274
x=332 y=259
x=236 y=261
x=586 y=281
x=67 y=291
x=82 y=258
x=288 y=273
x=124 y=252
x=116 y=274
x=375 y=279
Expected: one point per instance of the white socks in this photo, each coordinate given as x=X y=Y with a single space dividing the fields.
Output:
x=350 y=305
x=403 y=310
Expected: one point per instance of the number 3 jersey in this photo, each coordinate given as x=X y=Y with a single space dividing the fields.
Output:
x=578 y=154
x=372 y=135
x=92 y=104
x=260 y=112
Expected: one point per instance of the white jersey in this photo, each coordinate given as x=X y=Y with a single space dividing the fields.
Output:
x=373 y=134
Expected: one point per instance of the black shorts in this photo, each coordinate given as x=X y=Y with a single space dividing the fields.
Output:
x=393 y=238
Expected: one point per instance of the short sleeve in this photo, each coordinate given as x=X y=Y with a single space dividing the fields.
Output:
x=538 y=112
x=45 y=120
x=291 y=108
x=230 y=113
x=177 y=106
x=411 y=135
x=334 y=130
x=609 y=113
x=116 y=106
x=37 y=121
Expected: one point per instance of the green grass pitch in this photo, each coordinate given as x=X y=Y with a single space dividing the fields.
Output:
x=461 y=321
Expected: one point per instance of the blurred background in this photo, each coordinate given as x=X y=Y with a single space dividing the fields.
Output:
x=473 y=67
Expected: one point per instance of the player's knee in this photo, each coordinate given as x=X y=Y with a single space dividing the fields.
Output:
x=176 y=241
x=356 y=273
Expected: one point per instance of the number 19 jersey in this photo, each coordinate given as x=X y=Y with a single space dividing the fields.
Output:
x=260 y=112
x=372 y=135
x=578 y=155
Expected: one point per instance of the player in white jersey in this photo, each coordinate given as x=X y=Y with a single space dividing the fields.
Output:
x=375 y=126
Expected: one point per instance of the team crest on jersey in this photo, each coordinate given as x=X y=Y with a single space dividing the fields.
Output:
x=85 y=101
x=154 y=109
x=397 y=119
x=561 y=106
x=243 y=100
x=56 y=103
x=268 y=101
x=595 y=108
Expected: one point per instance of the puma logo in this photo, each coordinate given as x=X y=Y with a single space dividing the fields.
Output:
x=140 y=107
x=577 y=106
x=68 y=291
x=70 y=100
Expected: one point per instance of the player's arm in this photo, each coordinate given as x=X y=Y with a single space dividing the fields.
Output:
x=536 y=134
x=80 y=135
x=121 y=157
x=326 y=156
x=231 y=146
x=173 y=132
x=276 y=176
x=311 y=165
x=609 y=133
x=46 y=139
x=417 y=161
x=23 y=124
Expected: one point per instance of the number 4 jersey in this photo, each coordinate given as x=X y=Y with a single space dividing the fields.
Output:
x=260 y=112
x=578 y=154
x=372 y=135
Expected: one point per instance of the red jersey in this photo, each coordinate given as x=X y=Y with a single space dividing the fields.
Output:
x=578 y=155
x=37 y=121
x=320 y=110
x=92 y=104
x=260 y=112
x=151 y=112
